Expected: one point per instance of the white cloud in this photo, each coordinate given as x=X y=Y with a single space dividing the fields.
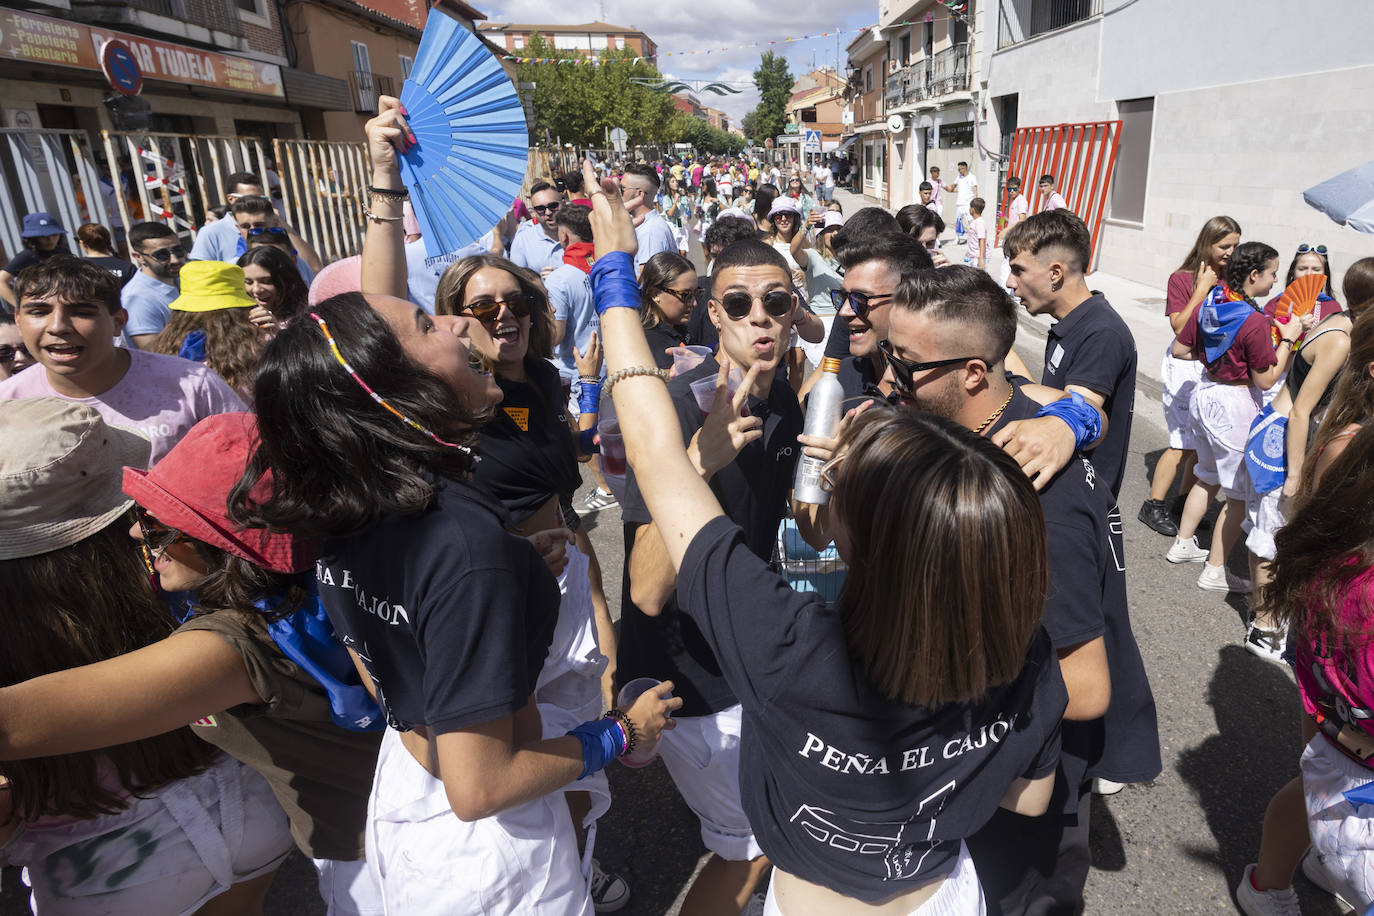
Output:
x=717 y=26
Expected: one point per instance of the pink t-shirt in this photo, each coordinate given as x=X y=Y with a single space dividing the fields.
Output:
x=977 y=238
x=160 y=396
x=1053 y=202
x=1018 y=210
x=1336 y=680
x=1251 y=351
x=935 y=189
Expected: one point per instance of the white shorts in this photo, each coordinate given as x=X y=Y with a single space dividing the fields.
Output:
x=960 y=895
x=522 y=861
x=348 y=888
x=1341 y=836
x=168 y=852
x=1221 y=416
x=1265 y=520
x=568 y=692
x=680 y=236
x=1180 y=377
x=702 y=756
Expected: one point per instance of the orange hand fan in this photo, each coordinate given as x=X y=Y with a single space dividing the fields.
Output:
x=1300 y=298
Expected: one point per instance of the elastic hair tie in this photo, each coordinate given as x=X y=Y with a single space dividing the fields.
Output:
x=385 y=404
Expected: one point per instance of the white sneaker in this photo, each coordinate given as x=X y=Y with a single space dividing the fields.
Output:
x=1186 y=551
x=1106 y=786
x=1221 y=579
x=1265 y=644
x=1316 y=873
x=1265 y=903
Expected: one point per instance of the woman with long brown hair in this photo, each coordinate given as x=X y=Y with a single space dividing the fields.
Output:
x=668 y=285
x=210 y=324
x=1201 y=270
x=74 y=815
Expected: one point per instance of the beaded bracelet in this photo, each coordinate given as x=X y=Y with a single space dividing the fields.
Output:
x=388 y=193
x=619 y=374
x=628 y=727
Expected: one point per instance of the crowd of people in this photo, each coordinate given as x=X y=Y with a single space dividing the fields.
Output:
x=345 y=601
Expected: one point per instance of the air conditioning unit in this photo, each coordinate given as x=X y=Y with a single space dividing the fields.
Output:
x=896 y=124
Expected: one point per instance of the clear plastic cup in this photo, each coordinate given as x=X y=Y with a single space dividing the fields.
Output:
x=612 y=447
x=687 y=357
x=642 y=756
x=704 y=390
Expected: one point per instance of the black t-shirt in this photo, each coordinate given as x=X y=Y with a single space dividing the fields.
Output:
x=122 y=270
x=843 y=786
x=28 y=258
x=753 y=490
x=661 y=337
x=700 y=331
x=1087 y=599
x=451 y=614
x=527 y=451
x=1093 y=348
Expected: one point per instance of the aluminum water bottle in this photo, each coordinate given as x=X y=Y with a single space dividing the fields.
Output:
x=823 y=408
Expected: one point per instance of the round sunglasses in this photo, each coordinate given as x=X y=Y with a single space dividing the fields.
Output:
x=737 y=304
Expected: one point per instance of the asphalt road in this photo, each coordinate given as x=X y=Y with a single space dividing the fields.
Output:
x=1228 y=727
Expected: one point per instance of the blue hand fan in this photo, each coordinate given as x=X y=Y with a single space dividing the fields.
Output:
x=472 y=147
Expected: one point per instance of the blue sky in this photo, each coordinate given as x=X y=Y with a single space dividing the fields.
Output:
x=677 y=25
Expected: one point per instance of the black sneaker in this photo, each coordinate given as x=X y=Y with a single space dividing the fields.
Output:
x=609 y=890
x=1155 y=514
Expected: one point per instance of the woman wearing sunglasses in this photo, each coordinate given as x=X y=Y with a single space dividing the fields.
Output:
x=106 y=796
x=668 y=284
x=854 y=816
x=14 y=356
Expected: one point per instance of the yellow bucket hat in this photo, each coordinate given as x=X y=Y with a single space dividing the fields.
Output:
x=210 y=285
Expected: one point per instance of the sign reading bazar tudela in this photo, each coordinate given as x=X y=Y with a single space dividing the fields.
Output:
x=42 y=40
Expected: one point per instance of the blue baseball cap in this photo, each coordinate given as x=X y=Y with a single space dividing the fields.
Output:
x=40 y=224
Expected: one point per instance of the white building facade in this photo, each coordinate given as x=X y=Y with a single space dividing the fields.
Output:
x=1234 y=107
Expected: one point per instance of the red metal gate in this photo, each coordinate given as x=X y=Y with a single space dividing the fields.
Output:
x=1081 y=158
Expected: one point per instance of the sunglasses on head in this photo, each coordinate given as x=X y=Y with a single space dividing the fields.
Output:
x=738 y=304
x=859 y=302
x=7 y=353
x=546 y=208
x=904 y=369
x=165 y=254
x=486 y=308
x=1304 y=248
x=156 y=536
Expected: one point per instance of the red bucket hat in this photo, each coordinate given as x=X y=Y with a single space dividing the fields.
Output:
x=189 y=490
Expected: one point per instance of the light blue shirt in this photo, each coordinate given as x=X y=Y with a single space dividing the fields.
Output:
x=148 y=301
x=654 y=235
x=218 y=241
x=534 y=250
x=422 y=280
x=570 y=295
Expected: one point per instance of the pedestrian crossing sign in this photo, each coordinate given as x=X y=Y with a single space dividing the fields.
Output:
x=813 y=140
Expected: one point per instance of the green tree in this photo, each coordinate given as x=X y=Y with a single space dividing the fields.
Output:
x=577 y=102
x=774 y=81
x=703 y=137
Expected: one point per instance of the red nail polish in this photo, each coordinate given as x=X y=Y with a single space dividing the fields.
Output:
x=404 y=112
x=413 y=140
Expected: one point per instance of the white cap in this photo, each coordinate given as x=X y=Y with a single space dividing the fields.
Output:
x=832 y=220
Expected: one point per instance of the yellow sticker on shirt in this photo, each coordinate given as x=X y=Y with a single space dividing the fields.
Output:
x=521 y=416
x=208 y=721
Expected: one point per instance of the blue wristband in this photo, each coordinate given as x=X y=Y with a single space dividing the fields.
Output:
x=589 y=397
x=613 y=282
x=1081 y=416
x=586 y=442
x=602 y=741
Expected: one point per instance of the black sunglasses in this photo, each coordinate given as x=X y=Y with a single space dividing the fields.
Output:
x=1304 y=248
x=263 y=230
x=859 y=302
x=156 y=536
x=485 y=310
x=904 y=369
x=165 y=254
x=7 y=352
x=546 y=208
x=737 y=304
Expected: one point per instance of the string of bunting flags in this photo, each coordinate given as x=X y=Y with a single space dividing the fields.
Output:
x=958 y=13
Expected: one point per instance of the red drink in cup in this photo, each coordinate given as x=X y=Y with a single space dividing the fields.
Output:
x=612 y=447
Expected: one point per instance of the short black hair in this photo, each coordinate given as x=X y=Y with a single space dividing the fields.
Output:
x=238 y=178
x=964 y=164
x=577 y=219
x=1013 y=182
x=968 y=296
x=1061 y=228
x=251 y=203
x=862 y=226
x=143 y=232
x=541 y=186
x=643 y=171
x=914 y=218
x=74 y=279
x=1045 y=178
x=898 y=251
x=925 y=186
x=727 y=230
x=748 y=253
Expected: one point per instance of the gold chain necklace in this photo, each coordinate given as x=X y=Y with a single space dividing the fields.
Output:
x=996 y=413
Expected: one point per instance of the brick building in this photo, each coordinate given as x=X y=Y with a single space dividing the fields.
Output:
x=588 y=38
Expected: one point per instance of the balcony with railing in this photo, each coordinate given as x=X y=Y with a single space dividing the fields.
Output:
x=366 y=87
x=868 y=106
x=1020 y=20
x=943 y=73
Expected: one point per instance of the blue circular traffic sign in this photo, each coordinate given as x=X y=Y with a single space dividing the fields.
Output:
x=120 y=68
